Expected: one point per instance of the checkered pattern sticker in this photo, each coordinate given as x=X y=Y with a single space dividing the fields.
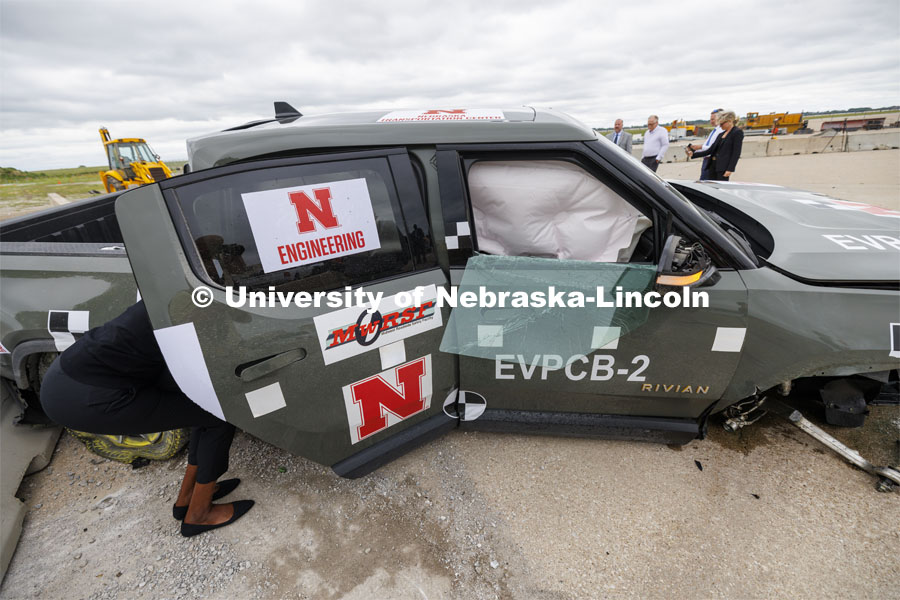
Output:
x=459 y=236
x=63 y=326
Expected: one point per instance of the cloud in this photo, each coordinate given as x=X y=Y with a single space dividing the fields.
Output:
x=168 y=71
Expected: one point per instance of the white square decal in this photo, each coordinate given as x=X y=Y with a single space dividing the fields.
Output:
x=729 y=339
x=265 y=400
x=490 y=336
x=392 y=354
x=606 y=338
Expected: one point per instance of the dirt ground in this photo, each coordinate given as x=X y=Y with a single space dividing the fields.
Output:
x=476 y=515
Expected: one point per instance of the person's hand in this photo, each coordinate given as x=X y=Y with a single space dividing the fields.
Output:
x=728 y=173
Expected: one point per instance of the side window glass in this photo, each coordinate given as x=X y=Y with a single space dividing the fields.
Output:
x=553 y=209
x=310 y=227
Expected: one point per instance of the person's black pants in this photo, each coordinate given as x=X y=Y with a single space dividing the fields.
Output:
x=132 y=411
x=650 y=163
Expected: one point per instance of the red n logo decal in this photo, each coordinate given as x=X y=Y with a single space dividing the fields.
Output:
x=309 y=209
x=455 y=111
x=375 y=397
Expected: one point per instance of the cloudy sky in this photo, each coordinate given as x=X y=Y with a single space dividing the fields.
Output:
x=167 y=71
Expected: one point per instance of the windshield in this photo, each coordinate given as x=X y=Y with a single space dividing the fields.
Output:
x=657 y=180
x=135 y=151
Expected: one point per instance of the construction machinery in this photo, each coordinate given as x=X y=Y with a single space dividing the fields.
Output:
x=131 y=163
x=777 y=122
x=679 y=129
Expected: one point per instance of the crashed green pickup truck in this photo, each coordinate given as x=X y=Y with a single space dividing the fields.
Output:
x=793 y=288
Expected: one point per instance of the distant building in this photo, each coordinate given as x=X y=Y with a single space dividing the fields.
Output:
x=854 y=124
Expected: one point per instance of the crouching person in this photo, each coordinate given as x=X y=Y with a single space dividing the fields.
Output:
x=114 y=380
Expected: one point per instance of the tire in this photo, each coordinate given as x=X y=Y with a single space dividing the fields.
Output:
x=162 y=445
x=128 y=448
x=114 y=184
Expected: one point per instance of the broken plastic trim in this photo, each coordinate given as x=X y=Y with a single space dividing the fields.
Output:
x=573 y=329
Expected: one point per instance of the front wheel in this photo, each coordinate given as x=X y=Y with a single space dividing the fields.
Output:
x=114 y=184
x=162 y=445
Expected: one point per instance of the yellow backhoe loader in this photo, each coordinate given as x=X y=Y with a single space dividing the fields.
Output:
x=131 y=163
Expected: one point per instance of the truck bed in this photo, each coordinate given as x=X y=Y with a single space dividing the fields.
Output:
x=86 y=222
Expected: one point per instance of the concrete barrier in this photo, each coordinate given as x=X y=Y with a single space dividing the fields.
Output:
x=786 y=146
x=675 y=153
x=873 y=140
x=24 y=450
x=754 y=147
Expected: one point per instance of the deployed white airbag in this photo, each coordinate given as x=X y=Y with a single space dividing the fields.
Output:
x=551 y=209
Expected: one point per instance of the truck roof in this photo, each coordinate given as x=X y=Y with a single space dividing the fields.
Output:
x=375 y=128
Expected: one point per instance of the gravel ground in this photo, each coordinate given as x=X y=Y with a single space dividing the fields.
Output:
x=482 y=516
x=478 y=515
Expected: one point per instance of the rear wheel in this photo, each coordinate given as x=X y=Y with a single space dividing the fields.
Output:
x=128 y=448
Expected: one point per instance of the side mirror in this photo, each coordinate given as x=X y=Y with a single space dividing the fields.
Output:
x=683 y=264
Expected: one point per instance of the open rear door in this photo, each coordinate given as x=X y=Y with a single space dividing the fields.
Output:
x=340 y=385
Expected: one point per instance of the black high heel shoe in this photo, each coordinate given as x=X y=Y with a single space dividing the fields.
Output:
x=240 y=509
x=226 y=486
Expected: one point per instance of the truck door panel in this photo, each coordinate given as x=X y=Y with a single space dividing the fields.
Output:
x=666 y=367
x=267 y=366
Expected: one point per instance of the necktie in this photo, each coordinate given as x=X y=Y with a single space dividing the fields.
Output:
x=616 y=141
x=709 y=137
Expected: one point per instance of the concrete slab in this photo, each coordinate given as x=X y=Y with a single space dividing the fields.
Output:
x=57 y=199
x=23 y=450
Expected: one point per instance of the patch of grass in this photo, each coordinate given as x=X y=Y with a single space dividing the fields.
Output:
x=26 y=191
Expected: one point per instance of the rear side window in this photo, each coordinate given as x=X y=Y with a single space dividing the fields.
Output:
x=308 y=227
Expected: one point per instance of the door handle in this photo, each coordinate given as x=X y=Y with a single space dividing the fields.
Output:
x=259 y=368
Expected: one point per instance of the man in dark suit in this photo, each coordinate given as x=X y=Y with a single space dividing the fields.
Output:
x=620 y=138
x=705 y=171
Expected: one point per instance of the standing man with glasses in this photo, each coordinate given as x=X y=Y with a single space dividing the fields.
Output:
x=706 y=171
x=620 y=138
x=656 y=142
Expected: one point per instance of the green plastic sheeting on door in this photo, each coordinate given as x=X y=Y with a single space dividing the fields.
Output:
x=540 y=306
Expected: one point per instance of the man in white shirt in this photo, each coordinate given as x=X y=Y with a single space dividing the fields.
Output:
x=705 y=171
x=656 y=142
x=620 y=138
